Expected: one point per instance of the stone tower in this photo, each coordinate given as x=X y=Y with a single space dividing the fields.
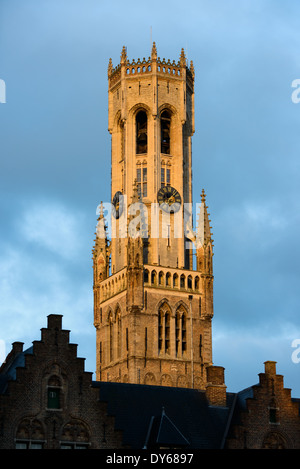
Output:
x=153 y=299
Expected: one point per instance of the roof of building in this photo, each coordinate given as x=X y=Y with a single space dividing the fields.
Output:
x=8 y=368
x=158 y=416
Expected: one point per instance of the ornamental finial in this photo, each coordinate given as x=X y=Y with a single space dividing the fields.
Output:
x=124 y=55
x=154 y=52
x=110 y=67
x=182 y=58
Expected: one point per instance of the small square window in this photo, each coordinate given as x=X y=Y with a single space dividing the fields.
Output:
x=272 y=416
x=53 y=398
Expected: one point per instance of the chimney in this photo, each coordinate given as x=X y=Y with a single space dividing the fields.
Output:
x=215 y=388
x=17 y=348
x=55 y=321
x=270 y=368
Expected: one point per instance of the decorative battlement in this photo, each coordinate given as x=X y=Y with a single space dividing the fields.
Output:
x=153 y=64
x=154 y=276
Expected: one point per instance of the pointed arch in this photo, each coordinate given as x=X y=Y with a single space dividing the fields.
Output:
x=164 y=302
x=146 y=276
x=109 y=315
x=175 y=280
x=182 y=306
x=111 y=334
x=30 y=433
x=161 y=278
x=168 y=279
x=274 y=440
x=141 y=126
x=164 y=322
x=165 y=132
x=181 y=314
x=153 y=277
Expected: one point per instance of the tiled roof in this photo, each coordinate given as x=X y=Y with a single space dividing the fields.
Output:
x=9 y=369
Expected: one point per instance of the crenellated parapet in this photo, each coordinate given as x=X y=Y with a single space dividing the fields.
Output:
x=153 y=64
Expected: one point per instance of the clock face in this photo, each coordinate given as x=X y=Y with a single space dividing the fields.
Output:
x=169 y=199
x=118 y=204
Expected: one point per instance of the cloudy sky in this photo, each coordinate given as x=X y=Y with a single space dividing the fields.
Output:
x=55 y=163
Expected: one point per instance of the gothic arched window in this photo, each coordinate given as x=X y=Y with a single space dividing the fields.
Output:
x=75 y=435
x=167 y=332
x=180 y=330
x=165 y=125
x=177 y=332
x=119 y=332
x=141 y=132
x=183 y=332
x=30 y=434
x=111 y=336
x=164 y=316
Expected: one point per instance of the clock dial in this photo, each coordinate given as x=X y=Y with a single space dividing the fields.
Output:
x=118 y=204
x=169 y=199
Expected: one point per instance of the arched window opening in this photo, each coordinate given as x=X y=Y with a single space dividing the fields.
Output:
x=177 y=332
x=119 y=332
x=180 y=331
x=175 y=280
x=160 y=330
x=141 y=132
x=75 y=435
x=167 y=333
x=161 y=278
x=164 y=318
x=183 y=333
x=168 y=279
x=30 y=434
x=165 y=123
x=111 y=337
x=153 y=277
x=274 y=440
x=146 y=276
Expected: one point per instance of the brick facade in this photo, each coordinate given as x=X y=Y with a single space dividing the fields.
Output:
x=47 y=398
x=48 y=401
x=268 y=416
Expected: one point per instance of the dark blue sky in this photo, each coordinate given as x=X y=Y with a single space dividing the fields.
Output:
x=55 y=163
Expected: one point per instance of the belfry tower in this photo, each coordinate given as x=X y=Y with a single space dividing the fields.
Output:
x=153 y=279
